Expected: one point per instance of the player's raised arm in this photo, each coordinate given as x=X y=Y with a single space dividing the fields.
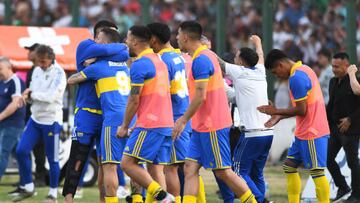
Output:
x=258 y=47
x=354 y=83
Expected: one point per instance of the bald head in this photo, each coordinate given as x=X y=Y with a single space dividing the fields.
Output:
x=5 y=68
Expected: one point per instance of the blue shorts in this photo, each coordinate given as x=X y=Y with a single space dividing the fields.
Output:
x=210 y=149
x=312 y=153
x=87 y=122
x=179 y=148
x=87 y=128
x=111 y=146
x=152 y=145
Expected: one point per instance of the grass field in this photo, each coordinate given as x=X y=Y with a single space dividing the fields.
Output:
x=273 y=174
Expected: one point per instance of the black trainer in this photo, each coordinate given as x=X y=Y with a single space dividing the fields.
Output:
x=352 y=199
x=23 y=195
x=340 y=194
x=16 y=191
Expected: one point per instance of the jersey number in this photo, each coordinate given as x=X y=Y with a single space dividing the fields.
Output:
x=178 y=85
x=123 y=81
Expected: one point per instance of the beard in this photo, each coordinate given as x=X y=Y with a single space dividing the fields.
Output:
x=132 y=54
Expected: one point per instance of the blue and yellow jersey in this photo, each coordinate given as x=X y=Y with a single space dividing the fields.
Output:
x=178 y=83
x=112 y=87
x=86 y=95
x=300 y=85
x=140 y=76
x=202 y=68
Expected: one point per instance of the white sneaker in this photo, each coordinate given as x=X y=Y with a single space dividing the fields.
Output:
x=168 y=199
x=122 y=192
x=79 y=194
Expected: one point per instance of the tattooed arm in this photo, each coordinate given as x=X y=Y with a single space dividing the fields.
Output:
x=76 y=78
x=131 y=109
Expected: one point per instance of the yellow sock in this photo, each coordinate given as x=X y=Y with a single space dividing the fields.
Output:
x=248 y=197
x=178 y=199
x=189 y=199
x=201 y=197
x=137 y=198
x=152 y=191
x=322 y=189
x=111 y=199
x=293 y=187
x=149 y=197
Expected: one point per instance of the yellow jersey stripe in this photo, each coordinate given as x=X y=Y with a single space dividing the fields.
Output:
x=96 y=111
x=301 y=99
x=202 y=80
x=107 y=84
x=198 y=50
x=83 y=74
x=137 y=85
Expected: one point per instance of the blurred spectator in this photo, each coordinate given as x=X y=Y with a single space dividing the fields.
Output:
x=294 y=12
x=326 y=73
x=322 y=22
x=23 y=13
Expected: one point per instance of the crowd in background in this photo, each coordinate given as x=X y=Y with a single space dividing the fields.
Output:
x=301 y=27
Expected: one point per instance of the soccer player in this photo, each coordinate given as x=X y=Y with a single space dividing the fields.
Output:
x=150 y=99
x=210 y=113
x=312 y=129
x=46 y=93
x=113 y=86
x=160 y=43
x=88 y=115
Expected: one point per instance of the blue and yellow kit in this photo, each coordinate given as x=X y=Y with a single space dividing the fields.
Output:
x=113 y=88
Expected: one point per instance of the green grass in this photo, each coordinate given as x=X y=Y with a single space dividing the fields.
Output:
x=273 y=174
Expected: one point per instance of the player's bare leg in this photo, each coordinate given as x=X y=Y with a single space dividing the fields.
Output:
x=157 y=173
x=111 y=182
x=172 y=179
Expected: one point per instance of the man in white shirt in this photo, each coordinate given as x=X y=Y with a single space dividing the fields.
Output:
x=46 y=94
x=249 y=79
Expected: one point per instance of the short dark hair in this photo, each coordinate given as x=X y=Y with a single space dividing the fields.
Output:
x=104 y=24
x=44 y=50
x=325 y=52
x=160 y=31
x=141 y=32
x=341 y=55
x=112 y=35
x=193 y=28
x=273 y=57
x=249 y=56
